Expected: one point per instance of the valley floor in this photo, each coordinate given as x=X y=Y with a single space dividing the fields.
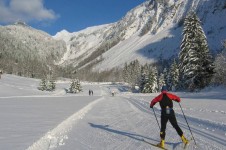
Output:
x=37 y=120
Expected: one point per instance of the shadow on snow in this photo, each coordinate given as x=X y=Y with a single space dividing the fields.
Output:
x=127 y=134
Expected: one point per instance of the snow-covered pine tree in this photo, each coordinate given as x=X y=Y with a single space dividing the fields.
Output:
x=155 y=80
x=149 y=83
x=196 y=64
x=174 y=76
x=51 y=84
x=161 y=81
x=135 y=72
x=78 y=85
x=166 y=77
x=131 y=73
x=125 y=73
x=75 y=86
x=72 y=88
x=43 y=84
x=152 y=85
x=144 y=77
x=220 y=70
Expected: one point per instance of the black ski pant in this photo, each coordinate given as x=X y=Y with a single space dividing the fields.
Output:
x=173 y=121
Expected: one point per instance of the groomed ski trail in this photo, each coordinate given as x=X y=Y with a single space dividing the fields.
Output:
x=56 y=137
x=203 y=137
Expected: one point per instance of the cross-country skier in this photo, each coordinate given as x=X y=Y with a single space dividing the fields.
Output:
x=113 y=93
x=167 y=113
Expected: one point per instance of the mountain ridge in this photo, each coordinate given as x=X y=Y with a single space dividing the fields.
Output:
x=147 y=32
x=24 y=49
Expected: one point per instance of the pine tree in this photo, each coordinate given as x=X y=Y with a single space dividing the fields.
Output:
x=78 y=85
x=174 y=76
x=155 y=80
x=220 y=70
x=143 y=77
x=152 y=84
x=196 y=64
x=125 y=73
x=131 y=73
x=75 y=86
x=135 y=72
x=51 y=85
x=161 y=81
x=72 y=88
x=43 y=84
x=166 y=77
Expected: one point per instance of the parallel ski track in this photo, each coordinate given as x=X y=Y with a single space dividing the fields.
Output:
x=57 y=135
x=198 y=126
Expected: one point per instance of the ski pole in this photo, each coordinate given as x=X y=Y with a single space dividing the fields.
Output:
x=156 y=118
x=187 y=124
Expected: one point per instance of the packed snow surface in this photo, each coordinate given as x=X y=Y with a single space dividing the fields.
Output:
x=37 y=120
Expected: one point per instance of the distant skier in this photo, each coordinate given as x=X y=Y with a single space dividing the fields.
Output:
x=113 y=93
x=167 y=113
x=89 y=92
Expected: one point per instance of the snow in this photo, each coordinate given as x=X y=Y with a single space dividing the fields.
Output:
x=81 y=42
x=37 y=120
x=139 y=48
x=162 y=40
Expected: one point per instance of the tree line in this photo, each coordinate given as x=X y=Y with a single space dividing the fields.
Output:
x=193 y=69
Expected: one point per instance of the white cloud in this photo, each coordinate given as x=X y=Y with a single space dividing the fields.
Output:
x=26 y=10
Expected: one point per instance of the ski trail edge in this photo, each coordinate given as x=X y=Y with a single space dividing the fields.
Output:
x=56 y=136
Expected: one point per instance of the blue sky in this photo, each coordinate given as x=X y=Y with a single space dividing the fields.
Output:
x=53 y=16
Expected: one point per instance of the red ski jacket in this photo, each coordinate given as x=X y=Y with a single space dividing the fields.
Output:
x=165 y=99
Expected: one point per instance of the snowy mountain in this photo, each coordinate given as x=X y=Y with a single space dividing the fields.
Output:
x=147 y=32
x=20 y=43
x=82 y=44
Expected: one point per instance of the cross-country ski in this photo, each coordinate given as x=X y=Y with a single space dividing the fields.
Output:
x=155 y=145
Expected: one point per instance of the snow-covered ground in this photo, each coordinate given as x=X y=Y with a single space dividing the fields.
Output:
x=36 y=120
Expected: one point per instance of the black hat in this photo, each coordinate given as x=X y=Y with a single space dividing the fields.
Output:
x=164 y=88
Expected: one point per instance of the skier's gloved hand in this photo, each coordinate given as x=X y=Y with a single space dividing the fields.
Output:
x=151 y=106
